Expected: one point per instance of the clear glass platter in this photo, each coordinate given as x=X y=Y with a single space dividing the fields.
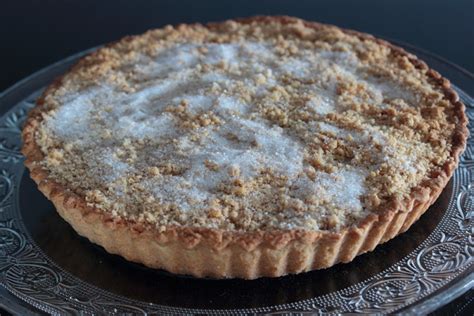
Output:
x=45 y=266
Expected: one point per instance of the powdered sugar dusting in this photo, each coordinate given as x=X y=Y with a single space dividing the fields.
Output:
x=321 y=104
x=67 y=123
x=344 y=187
x=195 y=116
x=298 y=68
x=229 y=105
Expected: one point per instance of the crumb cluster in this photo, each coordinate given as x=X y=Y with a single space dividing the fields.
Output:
x=245 y=127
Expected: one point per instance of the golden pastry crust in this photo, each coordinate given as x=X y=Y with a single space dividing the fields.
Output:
x=224 y=253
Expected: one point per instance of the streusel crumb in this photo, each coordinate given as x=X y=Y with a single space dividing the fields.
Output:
x=245 y=127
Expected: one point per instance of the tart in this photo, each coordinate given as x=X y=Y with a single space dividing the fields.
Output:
x=249 y=148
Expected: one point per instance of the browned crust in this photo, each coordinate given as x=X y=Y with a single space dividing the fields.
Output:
x=224 y=254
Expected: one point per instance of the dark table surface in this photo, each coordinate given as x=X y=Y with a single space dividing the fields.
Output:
x=36 y=33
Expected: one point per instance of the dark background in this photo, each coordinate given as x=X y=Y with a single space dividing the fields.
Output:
x=36 y=33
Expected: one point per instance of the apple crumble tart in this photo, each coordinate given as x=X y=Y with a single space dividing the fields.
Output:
x=248 y=148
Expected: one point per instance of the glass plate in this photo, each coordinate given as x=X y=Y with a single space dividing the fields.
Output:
x=45 y=266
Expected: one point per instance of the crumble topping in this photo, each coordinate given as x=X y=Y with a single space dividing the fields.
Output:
x=244 y=127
